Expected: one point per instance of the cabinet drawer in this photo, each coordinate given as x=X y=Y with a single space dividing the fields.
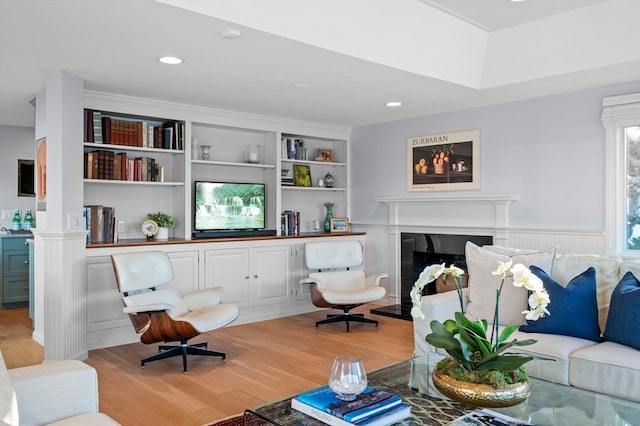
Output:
x=15 y=289
x=15 y=262
x=15 y=244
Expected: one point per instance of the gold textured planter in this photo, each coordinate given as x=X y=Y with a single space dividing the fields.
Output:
x=481 y=395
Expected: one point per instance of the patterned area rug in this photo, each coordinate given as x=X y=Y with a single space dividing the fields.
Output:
x=236 y=420
x=425 y=410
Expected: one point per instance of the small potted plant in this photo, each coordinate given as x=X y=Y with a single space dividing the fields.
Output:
x=164 y=222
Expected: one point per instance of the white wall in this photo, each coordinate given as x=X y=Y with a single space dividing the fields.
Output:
x=15 y=143
x=548 y=150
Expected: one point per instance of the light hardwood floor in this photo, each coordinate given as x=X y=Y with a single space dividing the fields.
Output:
x=266 y=361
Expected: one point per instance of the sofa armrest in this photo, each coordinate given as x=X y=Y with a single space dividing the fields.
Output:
x=55 y=390
x=439 y=307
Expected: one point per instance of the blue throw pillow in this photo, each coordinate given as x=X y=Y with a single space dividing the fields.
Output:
x=622 y=323
x=573 y=309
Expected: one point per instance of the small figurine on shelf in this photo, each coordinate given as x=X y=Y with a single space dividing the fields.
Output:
x=328 y=180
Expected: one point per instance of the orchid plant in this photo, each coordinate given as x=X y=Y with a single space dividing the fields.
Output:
x=466 y=341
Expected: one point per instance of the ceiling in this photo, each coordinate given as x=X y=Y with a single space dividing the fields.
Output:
x=328 y=61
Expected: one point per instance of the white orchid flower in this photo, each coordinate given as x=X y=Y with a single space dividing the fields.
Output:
x=454 y=271
x=503 y=267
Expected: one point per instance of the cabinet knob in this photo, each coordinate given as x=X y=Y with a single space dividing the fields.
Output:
x=255 y=276
x=26 y=262
x=246 y=277
x=26 y=287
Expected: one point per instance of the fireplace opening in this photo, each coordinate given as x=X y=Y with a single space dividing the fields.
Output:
x=418 y=250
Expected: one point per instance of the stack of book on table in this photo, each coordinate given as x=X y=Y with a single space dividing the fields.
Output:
x=371 y=408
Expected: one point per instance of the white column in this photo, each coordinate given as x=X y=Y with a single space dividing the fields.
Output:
x=59 y=236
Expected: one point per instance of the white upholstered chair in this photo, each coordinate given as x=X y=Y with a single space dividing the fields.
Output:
x=336 y=285
x=163 y=315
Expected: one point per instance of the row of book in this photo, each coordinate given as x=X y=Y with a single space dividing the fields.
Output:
x=109 y=165
x=290 y=222
x=294 y=149
x=373 y=407
x=101 y=223
x=142 y=134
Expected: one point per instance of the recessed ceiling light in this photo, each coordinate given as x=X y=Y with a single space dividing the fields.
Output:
x=170 y=60
x=394 y=104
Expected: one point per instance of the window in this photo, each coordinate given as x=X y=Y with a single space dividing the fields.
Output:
x=621 y=119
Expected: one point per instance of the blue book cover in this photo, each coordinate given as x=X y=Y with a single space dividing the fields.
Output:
x=368 y=403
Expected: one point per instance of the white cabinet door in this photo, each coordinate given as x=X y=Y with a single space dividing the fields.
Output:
x=300 y=271
x=229 y=269
x=107 y=325
x=270 y=275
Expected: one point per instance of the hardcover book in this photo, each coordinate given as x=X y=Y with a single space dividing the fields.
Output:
x=386 y=417
x=368 y=403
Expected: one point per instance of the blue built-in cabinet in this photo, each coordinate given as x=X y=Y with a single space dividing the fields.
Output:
x=14 y=271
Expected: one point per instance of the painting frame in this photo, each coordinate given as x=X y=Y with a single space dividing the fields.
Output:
x=339 y=225
x=325 y=155
x=444 y=161
x=302 y=175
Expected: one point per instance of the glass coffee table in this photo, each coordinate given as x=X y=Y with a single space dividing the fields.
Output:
x=549 y=403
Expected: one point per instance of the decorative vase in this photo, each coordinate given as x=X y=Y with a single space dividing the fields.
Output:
x=328 y=180
x=163 y=234
x=479 y=394
x=328 y=216
x=205 y=152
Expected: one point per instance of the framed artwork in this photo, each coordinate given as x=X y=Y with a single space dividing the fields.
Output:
x=301 y=175
x=324 y=155
x=338 y=225
x=41 y=174
x=444 y=161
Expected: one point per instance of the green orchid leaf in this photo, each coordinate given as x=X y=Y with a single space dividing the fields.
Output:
x=451 y=326
x=506 y=333
x=504 y=363
x=438 y=328
x=444 y=342
x=475 y=327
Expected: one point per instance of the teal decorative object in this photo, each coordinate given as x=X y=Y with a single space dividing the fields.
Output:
x=328 y=216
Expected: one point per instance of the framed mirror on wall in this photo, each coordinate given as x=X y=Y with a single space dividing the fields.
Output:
x=26 y=178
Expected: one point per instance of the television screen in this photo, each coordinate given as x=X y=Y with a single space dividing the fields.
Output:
x=228 y=206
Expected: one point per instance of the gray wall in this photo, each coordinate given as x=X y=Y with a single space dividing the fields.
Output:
x=549 y=151
x=15 y=143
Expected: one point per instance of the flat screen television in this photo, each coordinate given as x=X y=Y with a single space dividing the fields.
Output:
x=228 y=206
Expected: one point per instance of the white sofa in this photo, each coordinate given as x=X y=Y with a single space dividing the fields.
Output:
x=604 y=367
x=51 y=393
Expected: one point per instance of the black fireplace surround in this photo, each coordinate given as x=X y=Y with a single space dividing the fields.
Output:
x=418 y=250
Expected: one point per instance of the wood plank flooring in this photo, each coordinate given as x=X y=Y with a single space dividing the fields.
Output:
x=266 y=361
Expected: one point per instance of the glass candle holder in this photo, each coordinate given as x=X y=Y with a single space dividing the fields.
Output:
x=347 y=378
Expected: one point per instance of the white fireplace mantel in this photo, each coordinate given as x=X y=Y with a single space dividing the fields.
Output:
x=464 y=211
x=443 y=214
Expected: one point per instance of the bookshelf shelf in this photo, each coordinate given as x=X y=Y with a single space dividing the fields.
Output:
x=314 y=163
x=304 y=188
x=322 y=155
x=130 y=182
x=233 y=164
x=133 y=148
